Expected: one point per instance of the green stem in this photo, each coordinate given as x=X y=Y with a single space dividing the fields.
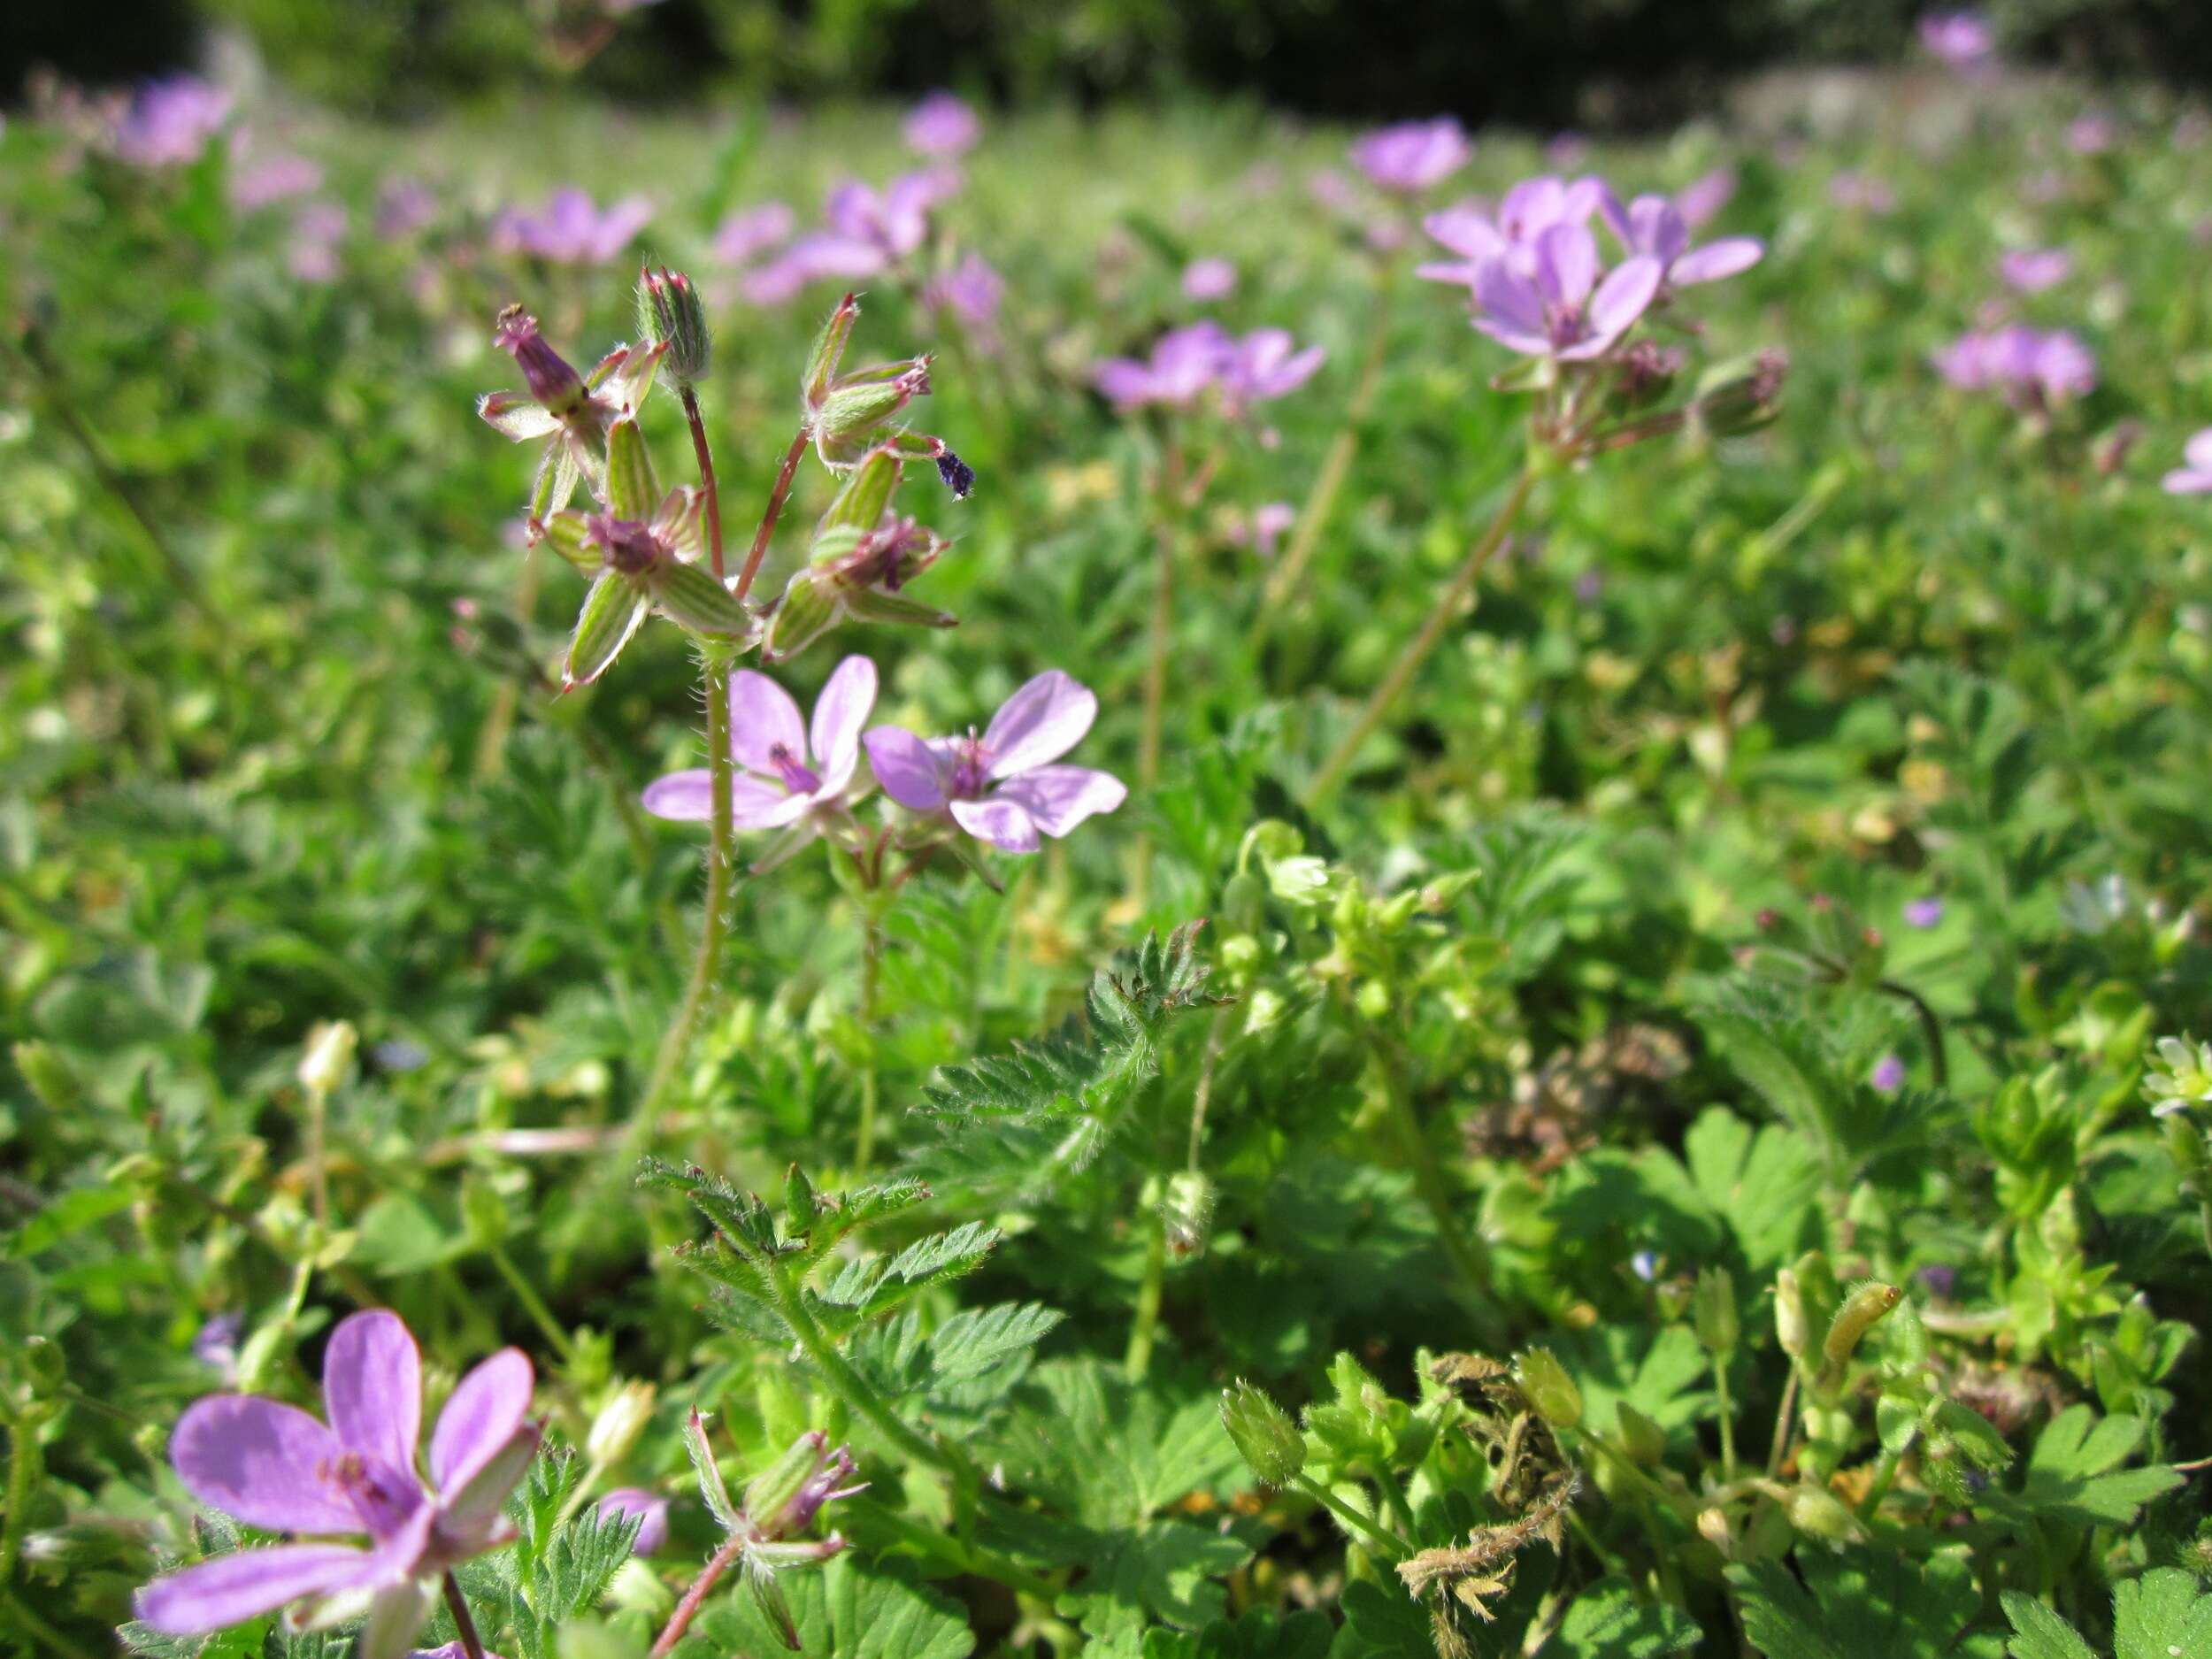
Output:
x=1393 y=1546
x=1460 y=1249
x=1146 y=1323
x=1313 y=518
x=1217 y=1036
x=22 y=1468
x=1885 y=1477
x=962 y=1555
x=1448 y=600
x=848 y=1386
x=1630 y=1470
x=534 y=1304
x=710 y=1575
x=871 y=989
x=458 y=1604
x=1785 y=1420
x=317 y=1168
x=1727 y=1417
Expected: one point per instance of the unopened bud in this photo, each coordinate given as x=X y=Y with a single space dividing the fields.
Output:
x=1186 y=1211
x=1862 y=1310
x=1264 y=1436
x=785 y=1497
x=1643 y=1440
x=1712 y=1526
x=669 y=313
x=1713 y=1311
x=1789 y=1314
x=552 y=380
x=1819 y=1513
x=1551 y=1393
x=615 y=1431
x=1746 y=402
x=329 y=1057
x=828 y=353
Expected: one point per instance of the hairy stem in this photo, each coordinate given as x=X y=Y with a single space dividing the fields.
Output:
x=22 y=1468
x=1336 y=465
x=1202 y=1098
x=705 y=457
x=1727 y=1417
x=776 y=498
x=1396 y=1547
x=1168 y=509
x=871 y=991
x=1146 y=1323
x=848 y=1386
x=463 y=1624
x=687 y=1610
x=1469 y=1263
x=1448 y=599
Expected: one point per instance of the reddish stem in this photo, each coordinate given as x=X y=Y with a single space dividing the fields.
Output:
x=776 y=498
x=710 y=1575
x=706 y=478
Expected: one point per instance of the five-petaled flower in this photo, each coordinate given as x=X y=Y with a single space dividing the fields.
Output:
x=1003 y=788
x=1544 y=297
x=1412 y=156
x=792 y=775
x=275 y=1467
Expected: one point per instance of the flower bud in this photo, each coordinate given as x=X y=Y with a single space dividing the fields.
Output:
x=615 y=1431
x=850 y=419
x=785 y=1497
x=1789 y=1314
x=1861 y=1310
x=1746 y=401
x=1713 y=1311
x=829 y=351
x=670 y=313
x=1551 y=1393
x=557 y=388
x=1264 y=1436
x=329 y=1057
x=1819 y=1513
x=1712 y=1526
x=1644 y=1440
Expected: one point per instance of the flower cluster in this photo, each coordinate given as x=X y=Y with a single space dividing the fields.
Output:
x=169 y=121
x=571 y=229
x=1187 y=363
x=2036 y=368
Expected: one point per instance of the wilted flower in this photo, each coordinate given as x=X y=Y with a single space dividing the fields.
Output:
x=571 y=229
x=1924 y=913
x=1210 y=279
x=1961 y=39
x=2179 y=1078
x=2195 y=477
x=1889 y=1074
x=1544 y=298
x=274 y=1467
x=2032 y=270
x=1413 y=156
x=651 y=1510
x=169 y=121
x=942 y=125
x=1002 y=788
x=563 y=407
x=1655 y=228
x=789 y=773
x=275 y=180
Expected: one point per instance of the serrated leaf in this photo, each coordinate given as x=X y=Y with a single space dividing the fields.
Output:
x=845 y=1611
x=2160 y=1615
x=2073 y=1474
x=1609 y=1621
x=1760 y=1183
x=1853 y=1604
x=975 y=1340
x=2040 y=1633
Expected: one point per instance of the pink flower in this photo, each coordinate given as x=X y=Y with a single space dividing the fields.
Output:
x=1208 y=280
x=1700 y=201
x=316 y=233
x=2091 y=135
x=651 y=1510
x=752 y=231
x=1889 y=1074
x=1264 y=365
x=1655 y=228
x=169 y=121
x=1961 y=39
x=1924 y=913
x=1264 y=528
x=1184 y=364
x=2032 y=270
x=1412 y=157
x=789 y=771
x=403 y=207
x=274 y=1467
x=2195 y=477
x=273 y=181
x=1544 y=298
x=942 y=125
x=971 y=291
x=571 y=229
x=2034 y=366
x=1003 y=786
x=1530 y=208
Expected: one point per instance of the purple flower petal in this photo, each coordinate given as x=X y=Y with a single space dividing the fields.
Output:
x=1624 y=296
x=650 y=1508
x=839 y=713
x=1123 y=381
x=1566 y=263
x=1655 y=227
x=681 y=797
x=1513 y=306
x=1467 y=230
x=373 y=1387
x=755 y=804
x=762 y=718
x=2185 y=480
x=259 y=1460
x=486 y=1409
x=906 y=768
x=1726 y=257
x=234 y=1588
x=1003 y=822
x=1060 y=798
x=1039 y=723
x=470 y=1518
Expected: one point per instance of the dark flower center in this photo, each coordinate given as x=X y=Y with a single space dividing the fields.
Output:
x=796 y=777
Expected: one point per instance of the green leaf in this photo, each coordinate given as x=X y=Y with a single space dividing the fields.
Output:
x=2073 y=1474
x=1108 y=1454
x=1864 y=1604
x=2160 y=1615
x=975 y=1340
x=2040 y=1633
x=846 y=1610
x=1760 y=1183
x=1609 y=1621
x=1383 y=1624
x=70 y=1213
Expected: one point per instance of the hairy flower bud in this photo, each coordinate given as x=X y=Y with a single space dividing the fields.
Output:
x=1551 y=1393
x=1819 y=1513
x=1789 y=1314
x=828 y=353
x=552 y=380
x=1745 y=401
x=1860 y=1312
x=785 y=1497
x=1264 y=1436
x=669 y=313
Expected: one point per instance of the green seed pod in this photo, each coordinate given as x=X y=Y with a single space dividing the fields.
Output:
x=1862 y=1310
x=1266 y=1438
x=612 y=611
x=669 y=313
x=566 y=532
x=865 y=496
x=1743 y=401
x=1645 y=1441
x=875 y=604
x=1713 y=1311
x=1551 y=1393
x=768 y=1493
x=808 y=609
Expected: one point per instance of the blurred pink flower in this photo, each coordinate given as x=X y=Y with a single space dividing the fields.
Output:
x=2032 y=270
x=280 y=177
x=942 y=125
x=1210 y=279
x=169 y=121
x=571 y=229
